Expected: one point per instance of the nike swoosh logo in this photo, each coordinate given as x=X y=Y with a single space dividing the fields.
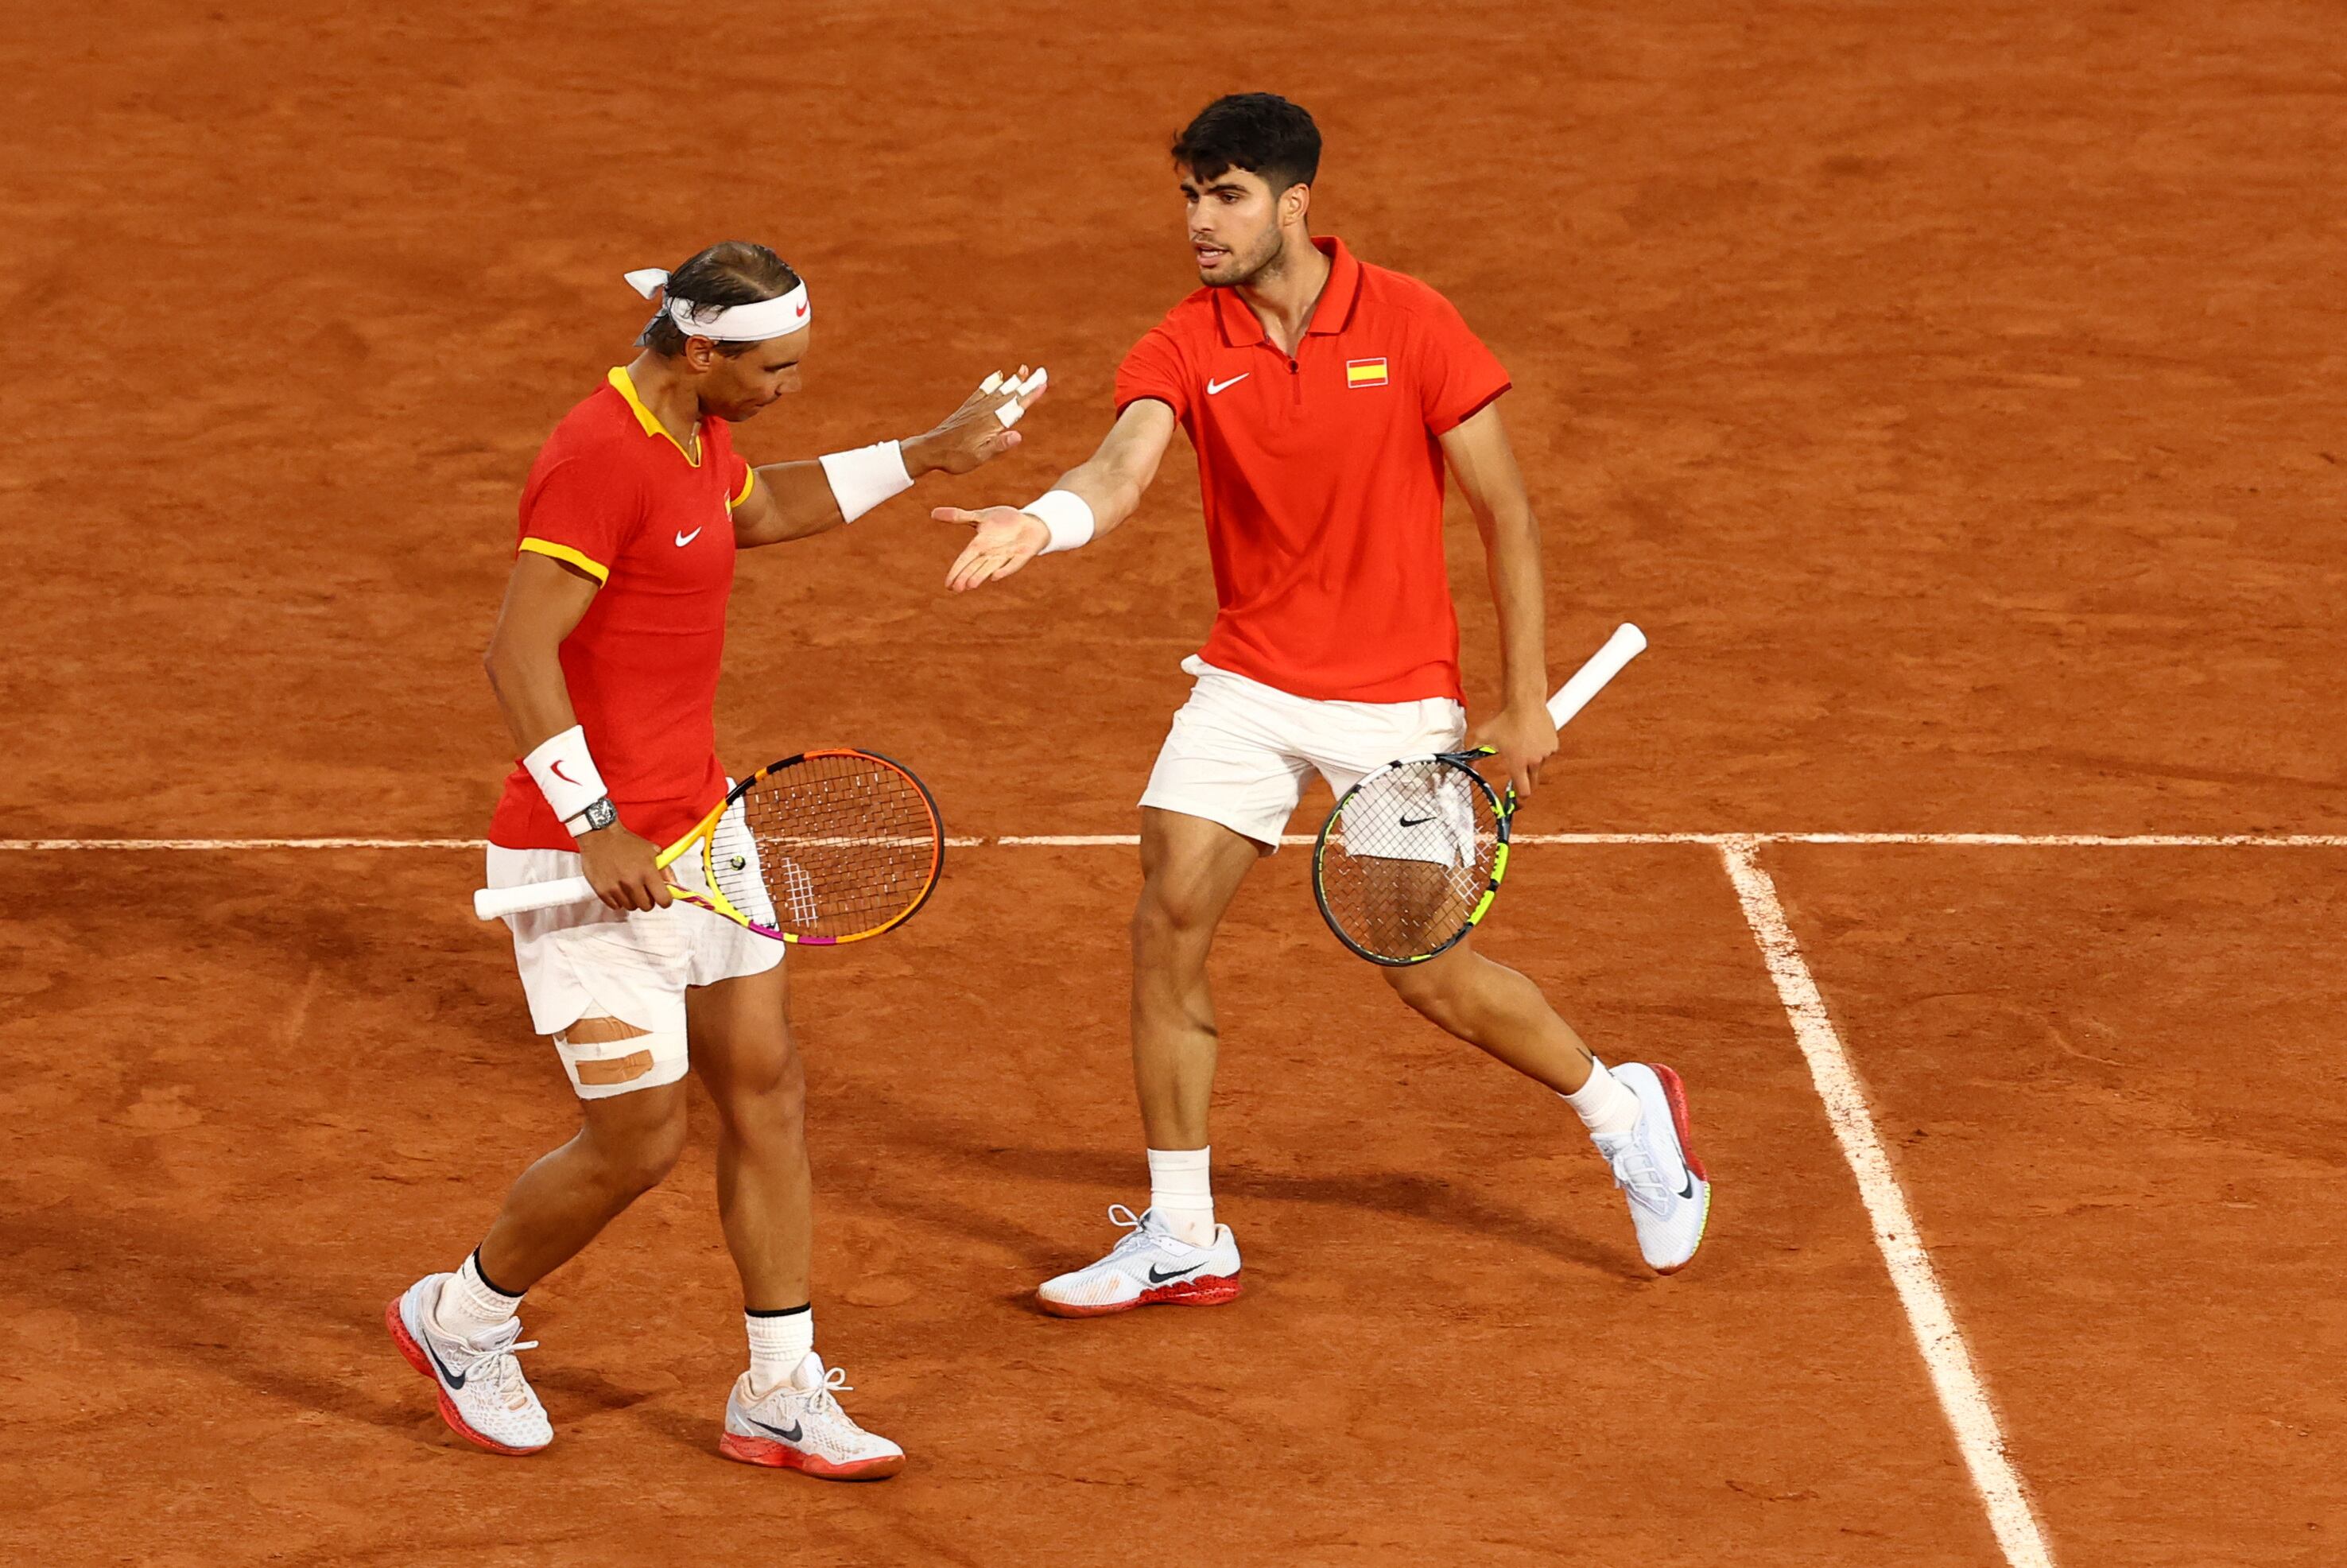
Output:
x=1214 y=387
x=556 y=769
x=1687 y=1191
x=454 y=1380
x=1416 y=820
x=789 y=1437
x=684 y=539
x=1157 y=1278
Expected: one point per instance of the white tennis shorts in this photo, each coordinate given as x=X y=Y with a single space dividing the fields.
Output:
x=578 y=960
x=1240 y=753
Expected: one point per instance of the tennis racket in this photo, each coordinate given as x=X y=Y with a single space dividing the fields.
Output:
x=1413 y=857
x=822 y=848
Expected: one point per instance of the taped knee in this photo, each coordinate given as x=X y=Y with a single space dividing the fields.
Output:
x=606 y=1056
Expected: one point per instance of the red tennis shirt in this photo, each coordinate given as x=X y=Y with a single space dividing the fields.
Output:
x=614 y=495
x=1322 y=477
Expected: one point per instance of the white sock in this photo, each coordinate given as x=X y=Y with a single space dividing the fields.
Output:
x=469 y=1305
x=1182 y=1193
x=1604 y=1103
x=779 y=1341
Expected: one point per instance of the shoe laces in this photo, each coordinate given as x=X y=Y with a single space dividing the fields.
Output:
x=824 y=1398
x=496 y=1355
x=1138 y=1231
x=1637 y=1173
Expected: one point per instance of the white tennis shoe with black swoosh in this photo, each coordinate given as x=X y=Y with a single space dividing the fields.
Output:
x=798 y=1424
x=1150 y=1267
x=484 y=1398
x=1656 y=1166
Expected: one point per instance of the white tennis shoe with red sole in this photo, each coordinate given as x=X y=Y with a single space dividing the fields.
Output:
x=1151 y=1266
x=1656 y=1166
x=484 y=1397
x=798 y=1424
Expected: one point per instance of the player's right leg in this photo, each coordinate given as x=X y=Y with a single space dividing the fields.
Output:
x=609 y=992
x=1220 y=797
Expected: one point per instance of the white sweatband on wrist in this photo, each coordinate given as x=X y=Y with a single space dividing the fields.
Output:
x=566 y=773
x=1067 y=515
x=862 y=479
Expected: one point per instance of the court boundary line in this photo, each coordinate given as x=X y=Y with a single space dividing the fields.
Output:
x=1963 y=1397
x=1130 y=840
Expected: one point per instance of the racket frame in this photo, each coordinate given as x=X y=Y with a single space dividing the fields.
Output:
x=705 y=834
x=1504 y=811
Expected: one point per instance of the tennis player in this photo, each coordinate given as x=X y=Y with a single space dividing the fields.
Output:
x=1323 y=396
x=605 y=661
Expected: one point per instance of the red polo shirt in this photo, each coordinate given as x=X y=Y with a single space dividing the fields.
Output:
x=614 y=495
x=1322 y=477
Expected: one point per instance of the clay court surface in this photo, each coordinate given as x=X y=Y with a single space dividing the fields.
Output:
x=1951 y=394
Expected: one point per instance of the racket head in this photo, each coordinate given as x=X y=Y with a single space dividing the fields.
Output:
x=1411 y=858
x=822 y=848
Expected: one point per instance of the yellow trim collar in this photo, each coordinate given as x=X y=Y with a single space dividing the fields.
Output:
x=593 y=568
x=626 y=386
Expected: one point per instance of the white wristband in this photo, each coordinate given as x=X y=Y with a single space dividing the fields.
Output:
x=862 y=479
x=1067 y=515
x=565 y=775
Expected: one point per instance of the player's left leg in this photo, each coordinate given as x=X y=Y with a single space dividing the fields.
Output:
x=783 y=1411
x=1636 y=1114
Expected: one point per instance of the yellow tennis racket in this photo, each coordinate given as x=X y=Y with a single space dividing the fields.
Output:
x=821 y=848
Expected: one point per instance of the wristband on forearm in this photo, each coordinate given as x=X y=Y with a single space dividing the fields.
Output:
x=566 y=773
x=862 y=479
x=1067 y=516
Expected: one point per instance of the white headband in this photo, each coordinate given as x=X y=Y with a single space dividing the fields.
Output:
x=728 y=324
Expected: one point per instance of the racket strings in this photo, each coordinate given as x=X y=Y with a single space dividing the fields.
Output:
x=1410 y=857
x=831 y=847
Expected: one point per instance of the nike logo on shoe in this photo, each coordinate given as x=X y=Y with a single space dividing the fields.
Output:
x=1157 y=1278
x=684 y=539
x=454 y=1380
x=789 y=1437
x=1213 y=387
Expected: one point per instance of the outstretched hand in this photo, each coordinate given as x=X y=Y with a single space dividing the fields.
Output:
x=974 y=433
x=1005 y=540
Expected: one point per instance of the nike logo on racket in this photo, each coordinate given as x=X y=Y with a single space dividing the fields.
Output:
x=1157 y=1278
x=1213 y=387
x=684 y=539
x=789 y=1437
x=1416 y=820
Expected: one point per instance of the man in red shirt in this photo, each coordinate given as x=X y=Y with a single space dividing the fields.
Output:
x=605 y=660
x=1323 y=396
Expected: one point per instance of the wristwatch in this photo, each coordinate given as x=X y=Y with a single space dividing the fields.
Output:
x=600 y=813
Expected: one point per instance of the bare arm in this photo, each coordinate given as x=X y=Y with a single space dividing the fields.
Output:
x=1486 y=468
x=1111 y=482
x=545 y=599
x=794 y=500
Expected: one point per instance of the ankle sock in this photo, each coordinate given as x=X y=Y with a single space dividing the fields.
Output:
x=469 y=1305
x=1604 y=1103
x=1182 y=1192
x=779 y=1341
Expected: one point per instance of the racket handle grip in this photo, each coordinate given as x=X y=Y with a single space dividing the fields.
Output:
x=496 y=903
x=1626 y=643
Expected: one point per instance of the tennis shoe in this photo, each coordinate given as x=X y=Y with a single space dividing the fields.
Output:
x=1150 y=1267
x=798 y=1424
x=1656 y=1166
x=484 y=1397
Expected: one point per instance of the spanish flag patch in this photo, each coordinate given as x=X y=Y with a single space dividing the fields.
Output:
x=1365 y=372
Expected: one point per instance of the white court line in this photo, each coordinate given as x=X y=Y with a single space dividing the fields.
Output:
x=1962 y=1397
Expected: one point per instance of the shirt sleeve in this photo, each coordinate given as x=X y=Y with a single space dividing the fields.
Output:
x=1155 y=369
x=745 y=480
x=1457 y=375
x=580 y=515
